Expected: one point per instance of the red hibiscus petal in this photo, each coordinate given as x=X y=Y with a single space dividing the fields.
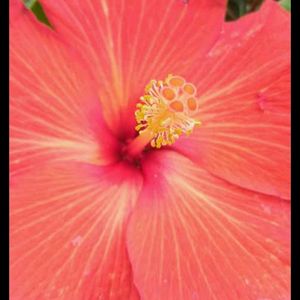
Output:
x=194 y=236
x=67 y=218
x=128 y=43
x=16 y=9
x=67 y=233
x=244 y=86
x=54 y=112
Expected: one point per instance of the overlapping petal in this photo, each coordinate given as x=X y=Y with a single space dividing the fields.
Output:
x=67 y=233
x=244 y=87
x=194 y=236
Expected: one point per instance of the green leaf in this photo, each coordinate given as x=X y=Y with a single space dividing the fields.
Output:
x=286 y=4
x=37 y=9
x=239 y=8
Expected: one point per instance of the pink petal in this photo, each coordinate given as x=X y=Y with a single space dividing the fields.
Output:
x=128 y=43
x=194 y=236
x=244 y=86
x=67 y=233
x=16 y=9
x=55 y=114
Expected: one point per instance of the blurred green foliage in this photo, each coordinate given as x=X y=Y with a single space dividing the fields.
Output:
x=235 y=8
x=37 y=9
x=239 y=8
x=286 y=4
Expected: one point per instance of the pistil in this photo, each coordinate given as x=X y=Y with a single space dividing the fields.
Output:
x=139 y=143
x=165 y=112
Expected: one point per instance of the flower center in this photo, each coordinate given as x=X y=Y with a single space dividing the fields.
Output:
x=165 y=112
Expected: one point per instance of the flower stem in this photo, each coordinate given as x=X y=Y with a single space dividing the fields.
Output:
x=139 y=143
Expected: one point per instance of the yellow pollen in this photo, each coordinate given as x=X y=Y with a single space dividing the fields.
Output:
x=166 y=110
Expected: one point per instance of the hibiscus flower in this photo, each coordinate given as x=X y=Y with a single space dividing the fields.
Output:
x=193 y=206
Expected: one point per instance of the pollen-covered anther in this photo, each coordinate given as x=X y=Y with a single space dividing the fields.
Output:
x=167 y=110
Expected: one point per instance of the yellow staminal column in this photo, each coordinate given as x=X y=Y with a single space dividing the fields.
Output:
x=166 y=111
